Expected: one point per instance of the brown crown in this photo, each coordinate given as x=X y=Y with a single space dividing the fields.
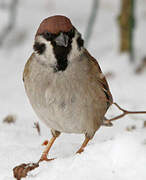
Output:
x=55 y=24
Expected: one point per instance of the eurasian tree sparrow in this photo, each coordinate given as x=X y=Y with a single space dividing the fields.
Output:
x=64 y=83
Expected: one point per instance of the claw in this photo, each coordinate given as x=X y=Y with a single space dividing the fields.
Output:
x=44 y=158
x=80 y=151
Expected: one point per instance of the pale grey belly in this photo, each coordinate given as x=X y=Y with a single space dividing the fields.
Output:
x=71 y=108
x=62 y=116
x=70 y=114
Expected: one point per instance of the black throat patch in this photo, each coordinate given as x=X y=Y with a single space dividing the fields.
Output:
x=61 y=54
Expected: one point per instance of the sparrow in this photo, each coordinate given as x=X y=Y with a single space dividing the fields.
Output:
x=64 y=83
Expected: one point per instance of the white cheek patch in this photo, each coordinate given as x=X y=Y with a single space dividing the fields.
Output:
x=75 y=52
x=48 y=57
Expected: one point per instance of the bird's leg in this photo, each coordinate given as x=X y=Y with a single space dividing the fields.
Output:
x=83 y=145
x=22 y=170
x=47 y=149
x=48 y=146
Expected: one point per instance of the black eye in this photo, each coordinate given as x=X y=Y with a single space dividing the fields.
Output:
x=47 y=36
x=71 y=33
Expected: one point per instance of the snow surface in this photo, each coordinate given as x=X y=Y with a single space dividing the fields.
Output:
x=114 y=153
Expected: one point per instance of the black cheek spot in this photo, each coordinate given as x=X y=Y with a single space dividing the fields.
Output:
x=39 y=47
x=80 y=42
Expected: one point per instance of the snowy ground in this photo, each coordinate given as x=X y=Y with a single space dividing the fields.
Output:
x=114 y=153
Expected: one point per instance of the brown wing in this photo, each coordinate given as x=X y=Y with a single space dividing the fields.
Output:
x=26 y=68
x=101 y=79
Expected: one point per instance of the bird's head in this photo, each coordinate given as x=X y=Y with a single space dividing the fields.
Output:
x=57 y=42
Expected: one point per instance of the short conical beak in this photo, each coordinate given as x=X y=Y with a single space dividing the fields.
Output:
x=62 y=40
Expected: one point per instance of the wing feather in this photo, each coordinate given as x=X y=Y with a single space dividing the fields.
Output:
x=101 y=79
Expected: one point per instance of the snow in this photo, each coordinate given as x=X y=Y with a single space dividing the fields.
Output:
x=114 y=153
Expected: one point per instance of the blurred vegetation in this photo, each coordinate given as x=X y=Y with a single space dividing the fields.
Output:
x=127 y=25
x=91 y=21
x=11 y=7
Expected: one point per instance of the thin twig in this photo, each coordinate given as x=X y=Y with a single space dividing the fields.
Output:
x=11 y=23
x=37 y=126
x=125 y=112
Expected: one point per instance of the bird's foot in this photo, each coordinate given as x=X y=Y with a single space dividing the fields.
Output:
x=44 y=158
x=80 y=151
x=22 y=170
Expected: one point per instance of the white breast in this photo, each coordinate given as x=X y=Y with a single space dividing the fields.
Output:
x=66 y=101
